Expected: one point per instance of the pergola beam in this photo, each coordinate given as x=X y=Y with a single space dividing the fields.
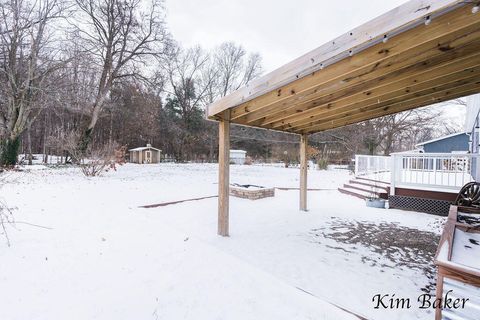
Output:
x=303 y=171
x=396 y=21
x=405 y=50
x=391 y=100
x=223 y=174
x=451 y=69
x=403 y=106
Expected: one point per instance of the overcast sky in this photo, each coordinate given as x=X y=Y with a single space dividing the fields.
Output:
x=277 y=29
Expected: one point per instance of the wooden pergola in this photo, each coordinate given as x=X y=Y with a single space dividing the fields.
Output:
x=420 y=53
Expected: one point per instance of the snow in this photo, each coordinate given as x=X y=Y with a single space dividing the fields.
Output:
x=106 y=258
x=247 y=187
x=466 y=248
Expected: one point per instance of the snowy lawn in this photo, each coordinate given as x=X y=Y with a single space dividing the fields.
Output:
x=106 y=258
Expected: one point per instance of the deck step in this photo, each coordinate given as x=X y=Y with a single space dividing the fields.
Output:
x=364 y=188
x=356 y=193
x=361 y=187
x=377 y=182
x=380 y=185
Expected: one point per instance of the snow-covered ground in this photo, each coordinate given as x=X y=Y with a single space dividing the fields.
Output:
x=104 y=257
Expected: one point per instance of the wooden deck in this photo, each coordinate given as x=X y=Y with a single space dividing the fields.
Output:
x=418 y=54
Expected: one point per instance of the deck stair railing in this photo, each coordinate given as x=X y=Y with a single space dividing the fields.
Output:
x=368 y=165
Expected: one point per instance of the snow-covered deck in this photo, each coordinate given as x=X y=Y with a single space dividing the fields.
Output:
x=106 y=258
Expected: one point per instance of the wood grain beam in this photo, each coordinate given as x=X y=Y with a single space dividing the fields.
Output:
x=470 y=75
x=395 y=21
x=338 y=89
x=405 y=104
x=223 y=174
x=399 y=107
x=381 y=58
x=303 y=171
x=395 y=83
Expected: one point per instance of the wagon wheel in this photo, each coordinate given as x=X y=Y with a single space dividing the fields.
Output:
x=469 y=195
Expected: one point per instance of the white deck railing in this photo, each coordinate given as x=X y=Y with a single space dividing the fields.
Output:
x=425 y=171
x=433 y=171
x=368 y=165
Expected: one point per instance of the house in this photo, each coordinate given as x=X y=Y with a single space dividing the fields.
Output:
x=146 y=154
x=238 y=156
x=472 y=122
x=452 y=143
x=427 y=179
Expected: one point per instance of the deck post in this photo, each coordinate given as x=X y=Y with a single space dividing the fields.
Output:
x=393 y=173
x=223 y=173
x=357 y=159
x=303 y=171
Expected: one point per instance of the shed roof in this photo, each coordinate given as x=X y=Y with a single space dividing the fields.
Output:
x=238 y=151
x=144 y=148
x=420 y=53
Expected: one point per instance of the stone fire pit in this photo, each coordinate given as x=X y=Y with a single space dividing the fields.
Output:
x=252 y=192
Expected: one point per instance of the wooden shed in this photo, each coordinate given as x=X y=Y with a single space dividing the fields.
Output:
x=146 y=154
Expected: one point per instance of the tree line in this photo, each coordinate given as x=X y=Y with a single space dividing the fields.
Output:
x=77 y=75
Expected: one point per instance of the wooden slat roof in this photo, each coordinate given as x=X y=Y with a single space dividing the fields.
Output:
x=393 y=63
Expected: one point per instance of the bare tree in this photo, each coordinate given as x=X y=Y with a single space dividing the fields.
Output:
x=230 y=68
x=120 y=37
x=233 y=68
x=190 y=78
x=29 y=56
x=397 y=132
x=401 y=126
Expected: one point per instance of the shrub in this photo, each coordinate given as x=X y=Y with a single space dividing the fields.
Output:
x=9 y=152
x=102 y=159
x=97 y=158
x=322 y=164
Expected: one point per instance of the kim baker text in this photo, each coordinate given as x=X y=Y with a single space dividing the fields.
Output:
x=424 y=301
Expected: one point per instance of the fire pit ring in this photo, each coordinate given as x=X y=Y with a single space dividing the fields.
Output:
x=250 y=191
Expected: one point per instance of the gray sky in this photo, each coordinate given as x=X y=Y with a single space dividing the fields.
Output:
x=277 y=29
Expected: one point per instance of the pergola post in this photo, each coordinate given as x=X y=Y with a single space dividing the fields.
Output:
x=303 y=171
x=223 y=173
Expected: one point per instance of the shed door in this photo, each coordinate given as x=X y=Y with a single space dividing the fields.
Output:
x=148 y=156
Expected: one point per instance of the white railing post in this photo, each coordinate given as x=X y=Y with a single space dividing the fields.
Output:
x=357 y=157
x=476 y=174
x=393 y=173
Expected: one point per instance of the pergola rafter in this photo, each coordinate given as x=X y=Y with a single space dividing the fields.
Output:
x=420 y=53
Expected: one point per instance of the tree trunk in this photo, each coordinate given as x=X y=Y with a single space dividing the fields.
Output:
x=86 y=137
x=45 y=157
x=9 y=149
x=29 y=147
x=85 y=140
x=110 y=133
x=210 y=153
x=388 y=145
